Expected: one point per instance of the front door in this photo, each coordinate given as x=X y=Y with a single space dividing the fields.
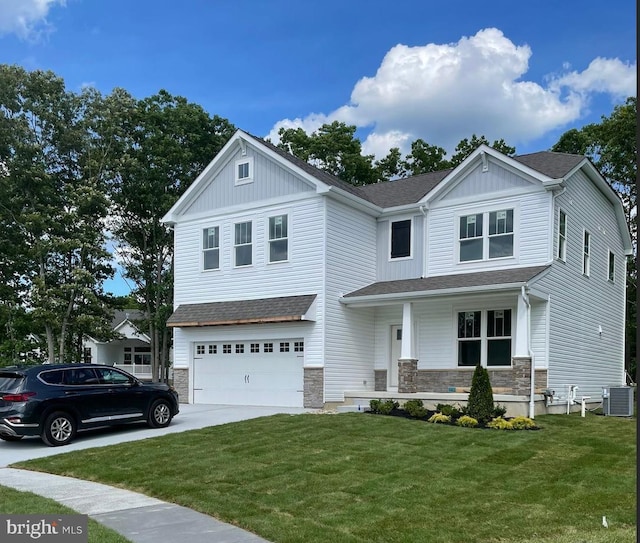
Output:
x=396 y=350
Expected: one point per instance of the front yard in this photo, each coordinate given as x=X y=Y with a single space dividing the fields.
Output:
x=348 y=478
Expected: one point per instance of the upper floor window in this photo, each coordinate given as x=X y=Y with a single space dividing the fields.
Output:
x=401 y=239
x=562 y=236
x=586 y=254
x=243 y=246
x=612 y=267
x=244 y=170
x=278 y=239
x=211 y=248
x=486 y=235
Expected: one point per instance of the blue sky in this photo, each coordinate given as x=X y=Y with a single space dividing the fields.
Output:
x=401 y=70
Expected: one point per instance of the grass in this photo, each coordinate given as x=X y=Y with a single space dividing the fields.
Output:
x=15 y=502
x=354 y=478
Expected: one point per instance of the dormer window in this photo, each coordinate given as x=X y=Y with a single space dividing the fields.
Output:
x=244 y=171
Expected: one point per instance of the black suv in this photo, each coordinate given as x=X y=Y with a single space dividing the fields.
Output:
x=54 y=401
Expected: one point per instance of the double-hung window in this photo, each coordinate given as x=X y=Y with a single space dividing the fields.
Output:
x=211 y=248
x=401 y=239
x=612 y=267
x=562 y=236
x=484 y=337
x=244 y=171
x=278 y=239
x=243 y=245
x=484 y=236
x=586 y=254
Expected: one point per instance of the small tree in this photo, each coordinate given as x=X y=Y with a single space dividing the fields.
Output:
x=480 y=405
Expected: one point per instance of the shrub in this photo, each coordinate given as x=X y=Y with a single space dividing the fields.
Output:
x=415 y=408
x=467 y=422
x=499 y=411
x=374 y=406
x=387 y=406
x=500 y=424
x=523 y=423
x=448 y=409
x=480 y=404
x=439 y=418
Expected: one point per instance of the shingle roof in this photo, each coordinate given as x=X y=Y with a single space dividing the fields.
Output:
x=446 y=282
x=121 y=315
x=411 y=190
x=283 y=309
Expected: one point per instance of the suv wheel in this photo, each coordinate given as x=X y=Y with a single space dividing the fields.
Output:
x=160 y=414
x=59 y=429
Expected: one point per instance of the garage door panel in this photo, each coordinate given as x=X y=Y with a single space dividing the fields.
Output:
x=242 y=377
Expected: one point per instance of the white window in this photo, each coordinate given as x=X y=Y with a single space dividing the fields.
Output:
x=242 y=245
x=612 y=267
x=244 y=171
x=226 y=348
x=401 y=239
x=268 y=347
x=239 y=348
x=278 y=239
x=298 y=346
x=484 y=236
x=255 y=347
x=484 y=337
x=199 y=349
x=213 y=349
x=211 y=248
x=562 y=236
x=586 y=255
x=284 y=347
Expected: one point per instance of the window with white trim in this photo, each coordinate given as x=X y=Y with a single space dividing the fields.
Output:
x=243 y=246
x=226 y=348
x=484 y=236
x=484 y=337
x=268 y=347
x=278 y=238
x=298 y=346
x=401 y=239
x=211 y=248
x=213 y=349
x=239 y=348
x=199 y=350
x=244 y=171
x=562 y=236
x=284 y=347
x=612 y=267
x=586 y=253
x=255 y=347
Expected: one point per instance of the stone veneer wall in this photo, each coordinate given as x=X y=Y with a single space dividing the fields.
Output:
x=380 y=383
x=408 y=375
x=181 y=383
x=313 y=387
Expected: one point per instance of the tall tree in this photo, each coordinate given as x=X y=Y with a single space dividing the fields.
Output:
x=425 y=158
x=466 y=147
x=170 y=143
x=52 y=206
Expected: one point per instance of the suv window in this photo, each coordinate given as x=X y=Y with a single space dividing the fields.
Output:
x=10 y=382
x=53 y=377
x=110 y=376
x=81 y=376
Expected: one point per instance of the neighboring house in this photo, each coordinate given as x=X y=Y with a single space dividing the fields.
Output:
x=131 y=350
x=293 y=288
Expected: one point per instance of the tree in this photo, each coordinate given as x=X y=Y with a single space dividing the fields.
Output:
x=52 y=207
x=334 y=149
x=170 y=143
x=466 y=147
x=425 y=158
x=612 y=146
x=480 y=404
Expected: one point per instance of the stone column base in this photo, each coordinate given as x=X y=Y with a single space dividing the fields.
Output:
x=408 y=375
x=313 y=388
x=181 y=383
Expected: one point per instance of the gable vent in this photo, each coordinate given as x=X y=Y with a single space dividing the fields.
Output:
x=617 y=401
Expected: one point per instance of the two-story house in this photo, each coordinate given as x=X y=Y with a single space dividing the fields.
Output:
x=293 y=288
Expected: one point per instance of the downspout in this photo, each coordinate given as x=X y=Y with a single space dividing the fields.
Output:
x=532 y=406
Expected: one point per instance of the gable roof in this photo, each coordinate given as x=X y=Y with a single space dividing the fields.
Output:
x=263 y=310
x=120 y=316
x=510 y=278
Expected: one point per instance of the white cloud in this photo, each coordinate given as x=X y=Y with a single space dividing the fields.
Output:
x=26 y=18
x=443 y=93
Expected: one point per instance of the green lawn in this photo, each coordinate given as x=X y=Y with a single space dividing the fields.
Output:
x=14 y=502
x=369 y=478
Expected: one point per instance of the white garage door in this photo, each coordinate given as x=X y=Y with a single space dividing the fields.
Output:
x=251 y=372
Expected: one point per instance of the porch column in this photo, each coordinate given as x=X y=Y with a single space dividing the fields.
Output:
x=408 y=363
x=522 y=330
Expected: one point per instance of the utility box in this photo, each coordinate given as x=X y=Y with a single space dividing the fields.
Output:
x=617 y=401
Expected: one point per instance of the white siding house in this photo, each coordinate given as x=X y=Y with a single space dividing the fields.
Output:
x=294 y=288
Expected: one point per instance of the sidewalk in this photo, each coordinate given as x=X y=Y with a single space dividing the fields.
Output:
x=137 y=517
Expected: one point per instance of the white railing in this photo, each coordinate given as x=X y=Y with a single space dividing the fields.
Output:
x=141 y=371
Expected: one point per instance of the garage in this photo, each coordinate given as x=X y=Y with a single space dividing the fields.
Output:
x=252 y=372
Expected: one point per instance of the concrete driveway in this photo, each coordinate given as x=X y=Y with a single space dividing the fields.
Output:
x=191 y=417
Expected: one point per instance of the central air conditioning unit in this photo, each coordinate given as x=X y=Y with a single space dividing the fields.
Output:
x=617 y=401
